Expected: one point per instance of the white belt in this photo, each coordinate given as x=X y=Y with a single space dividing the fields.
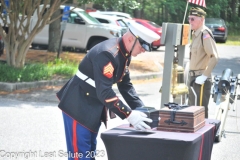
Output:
x=85 y=78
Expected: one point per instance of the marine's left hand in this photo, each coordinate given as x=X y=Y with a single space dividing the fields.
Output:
x=200 y=79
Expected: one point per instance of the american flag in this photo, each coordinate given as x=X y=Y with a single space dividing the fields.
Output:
x=198 y=2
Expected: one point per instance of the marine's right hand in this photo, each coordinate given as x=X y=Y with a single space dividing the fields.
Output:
x=138 y=119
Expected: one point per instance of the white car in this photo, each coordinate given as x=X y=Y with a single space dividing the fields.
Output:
x=125 y=16
x=81 y=31
x=110 y=20
x=117 y=14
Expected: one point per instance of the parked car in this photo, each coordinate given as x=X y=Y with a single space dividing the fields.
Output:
x=90 y=10
x=110 y=20
x=154 y=27
x=117 y=14
x=218 y=28
x=125 y=16
x=82 y=30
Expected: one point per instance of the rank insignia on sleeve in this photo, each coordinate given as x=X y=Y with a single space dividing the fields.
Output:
x=108 y=70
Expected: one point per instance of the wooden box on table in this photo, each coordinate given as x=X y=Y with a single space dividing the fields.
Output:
x=188 y=119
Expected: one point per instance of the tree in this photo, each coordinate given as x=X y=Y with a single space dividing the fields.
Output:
x=55 y=27
x=21 y=31
x=113 y=5
x=54 y=31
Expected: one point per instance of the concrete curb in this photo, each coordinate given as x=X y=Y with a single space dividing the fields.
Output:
x=10 y=87
x=147 y=76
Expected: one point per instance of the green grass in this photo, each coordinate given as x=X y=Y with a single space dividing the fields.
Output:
x=37 y=71
x=233 y=37
x=233 y=40
x=65 y=68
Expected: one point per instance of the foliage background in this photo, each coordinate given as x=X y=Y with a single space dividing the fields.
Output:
x=160 y=11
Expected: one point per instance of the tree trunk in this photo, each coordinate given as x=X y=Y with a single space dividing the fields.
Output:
x=54 y=32
x=21 y=29
x=158 y=13
x=142 y=10
x=16 y=51
x=233 y=8
x=123 y=7
x=239 y=10
x=223 y=14
x=163 y=17
x=16 y=46
x=137 y=12
x=166 y=13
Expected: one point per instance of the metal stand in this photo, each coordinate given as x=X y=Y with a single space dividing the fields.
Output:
x=173 y=35
x=225 y=91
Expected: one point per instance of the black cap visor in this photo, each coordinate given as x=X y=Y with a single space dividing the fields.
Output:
x=145 y=45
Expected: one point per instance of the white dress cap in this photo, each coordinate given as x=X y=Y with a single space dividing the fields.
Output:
x=143 y=32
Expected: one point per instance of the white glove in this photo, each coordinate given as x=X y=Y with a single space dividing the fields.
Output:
x=137 y=118
x=200 y=79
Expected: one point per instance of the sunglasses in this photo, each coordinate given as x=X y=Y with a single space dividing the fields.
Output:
x=191 y=19
x=144 y=44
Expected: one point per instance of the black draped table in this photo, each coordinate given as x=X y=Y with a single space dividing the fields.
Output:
x=125 y=143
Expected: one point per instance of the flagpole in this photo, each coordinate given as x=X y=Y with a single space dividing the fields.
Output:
x=185 y=12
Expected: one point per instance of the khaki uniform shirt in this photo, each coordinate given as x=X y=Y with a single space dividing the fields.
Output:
x=204 y=56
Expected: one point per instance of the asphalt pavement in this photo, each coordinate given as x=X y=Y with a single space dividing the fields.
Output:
x=32 y=126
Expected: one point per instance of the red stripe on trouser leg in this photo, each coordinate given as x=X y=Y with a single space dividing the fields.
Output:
x=201 y=148
x=75 y=147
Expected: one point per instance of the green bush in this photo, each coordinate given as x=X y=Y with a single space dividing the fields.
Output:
x=37 y=71
x=30 y=72
x=64 y=68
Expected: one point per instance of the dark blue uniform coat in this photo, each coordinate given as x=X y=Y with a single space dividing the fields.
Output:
x=106 y=63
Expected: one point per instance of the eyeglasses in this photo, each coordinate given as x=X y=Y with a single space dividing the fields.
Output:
x=144 y=44
x=191 y=19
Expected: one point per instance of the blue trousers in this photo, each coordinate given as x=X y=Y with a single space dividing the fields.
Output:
x=81 y=142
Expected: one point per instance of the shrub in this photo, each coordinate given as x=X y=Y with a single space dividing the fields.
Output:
x=37 y=71
x=30 y=72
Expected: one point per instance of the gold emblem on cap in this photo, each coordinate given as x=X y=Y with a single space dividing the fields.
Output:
x=87 y=94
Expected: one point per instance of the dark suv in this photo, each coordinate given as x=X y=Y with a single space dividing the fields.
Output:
x=218 y=28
